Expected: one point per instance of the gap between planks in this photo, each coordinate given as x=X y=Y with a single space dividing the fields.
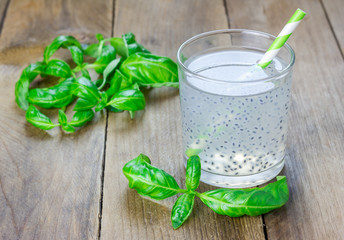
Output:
x=331 y=28
x=102 y=177
x=226 y=12
x=4 y=12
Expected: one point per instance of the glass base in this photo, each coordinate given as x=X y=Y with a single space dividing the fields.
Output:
x=246 y=181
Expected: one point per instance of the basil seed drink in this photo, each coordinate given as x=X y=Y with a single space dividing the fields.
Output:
x=235 y=114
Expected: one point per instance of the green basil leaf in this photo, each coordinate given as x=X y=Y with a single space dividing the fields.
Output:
x=64 y=122
x=38 y=119
x=22 y=86
x=149 y=181
x=102 y=103
x=62 y=118
x=99 y=37
x=85 y=74
x=108 y=54
x=193 y=172
x=92 y=50
x=120 y=47
x=58 y=68
x=150 y=70
x=77 y=54
x=193 y=151
x=57 y=96
x=130 y=99
x=115 y=83
x=182 y=209
x=60 y=41
x=68 y=128
x=81 y=118
x=113 y=109
x=127 y=45
x=251 y=202
x=86 y=89
x=132 y=45
x=84 y=104
x=109 y=70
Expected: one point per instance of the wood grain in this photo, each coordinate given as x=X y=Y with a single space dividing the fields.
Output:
x=316 y=133
x=161 y=26
x=334 y=12
x=49 y=181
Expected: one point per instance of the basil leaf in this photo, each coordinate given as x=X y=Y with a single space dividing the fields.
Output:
x=86 y=89
x=60 y=41
x=85 y=74
x=22 y=86
x=57 y=96
x=132 y=45
x=64 y=122
x=193 y=151
x=113 y=109
x=182 y=209
x=127 y=45
x=84 y=104
x=99 y=37
x=58 y=68
x=150 y=70
x=251 y=202
x=92 y=50
x=130 y=99
x=108 y=54
x=118 y=81
x=81 y=118
x=102 y=103
x=120 y=47
x=77 y=54
x=62 y=118
x=38 y=119
x=149 y=181
x=109 y=70
x=193 y=173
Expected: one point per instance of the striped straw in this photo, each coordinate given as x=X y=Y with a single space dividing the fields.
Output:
x=282 y=38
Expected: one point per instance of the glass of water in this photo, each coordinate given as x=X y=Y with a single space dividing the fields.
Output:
x=234 y=113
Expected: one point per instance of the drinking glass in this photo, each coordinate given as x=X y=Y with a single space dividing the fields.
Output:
x=234 y=114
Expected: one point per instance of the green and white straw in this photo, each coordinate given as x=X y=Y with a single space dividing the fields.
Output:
x=282 y=38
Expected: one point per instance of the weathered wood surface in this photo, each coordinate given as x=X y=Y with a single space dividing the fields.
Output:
x=51 y=183
x=316 y=133
x=156 y=132
x=334 y=13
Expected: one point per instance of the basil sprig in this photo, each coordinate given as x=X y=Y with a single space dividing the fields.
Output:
x=117 y=88
x=155 y=183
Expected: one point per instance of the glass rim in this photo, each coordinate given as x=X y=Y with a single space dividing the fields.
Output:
x=221 y=31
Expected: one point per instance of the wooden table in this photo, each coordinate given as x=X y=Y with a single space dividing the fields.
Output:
x=70 y=186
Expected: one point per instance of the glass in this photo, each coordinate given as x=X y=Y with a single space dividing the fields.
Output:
x=234 y=114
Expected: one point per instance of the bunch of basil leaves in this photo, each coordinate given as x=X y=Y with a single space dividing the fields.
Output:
x=124 y=65
x=155 y=183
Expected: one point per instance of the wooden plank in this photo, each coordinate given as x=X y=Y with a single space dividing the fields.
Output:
x=161 y=26
x=334 y=12
x=49 y=181
x=314 y=170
